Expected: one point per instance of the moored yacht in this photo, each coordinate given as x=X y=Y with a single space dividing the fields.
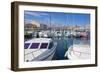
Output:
x=39 y=49
x=78 y=52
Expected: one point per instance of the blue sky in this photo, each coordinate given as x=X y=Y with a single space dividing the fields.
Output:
x=57 y=18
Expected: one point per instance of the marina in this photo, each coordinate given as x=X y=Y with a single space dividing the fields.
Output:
x=56 y=36
x=63 y=44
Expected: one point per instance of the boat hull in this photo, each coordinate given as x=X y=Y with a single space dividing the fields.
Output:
x=47 y=55
x=78 y=52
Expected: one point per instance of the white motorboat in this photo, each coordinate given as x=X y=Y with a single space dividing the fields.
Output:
x=39 y=49
x=43 y=34
x=58 y=33
x=67 y=33
x=78 y=52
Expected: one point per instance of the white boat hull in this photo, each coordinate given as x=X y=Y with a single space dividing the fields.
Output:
x=78 y=52
x=47 y=55
x=40 y=54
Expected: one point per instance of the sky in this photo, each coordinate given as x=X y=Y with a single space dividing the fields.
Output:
x=57 y=18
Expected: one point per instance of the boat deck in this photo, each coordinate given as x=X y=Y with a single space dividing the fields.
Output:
x=79 y=52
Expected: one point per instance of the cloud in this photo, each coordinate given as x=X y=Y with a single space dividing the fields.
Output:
x=37 y=14
x=27 y=21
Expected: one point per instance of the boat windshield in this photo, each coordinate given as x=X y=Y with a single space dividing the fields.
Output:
x=50 y=45
x=43 y=45
x=26 y=45
x=34 y=46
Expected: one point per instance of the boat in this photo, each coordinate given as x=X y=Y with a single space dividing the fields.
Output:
x=78 y=52
x=39 y=49
x=43 y=34
x=83 y=34
x=67 y=33
x=58 y=33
